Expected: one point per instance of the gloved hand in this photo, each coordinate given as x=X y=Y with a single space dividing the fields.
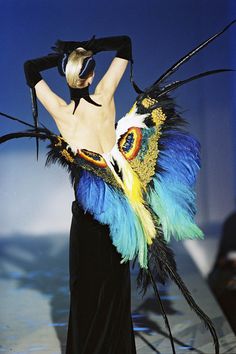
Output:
x=122 y=45
x=66 y=47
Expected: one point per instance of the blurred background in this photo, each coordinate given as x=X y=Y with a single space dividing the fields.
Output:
x=36 y=200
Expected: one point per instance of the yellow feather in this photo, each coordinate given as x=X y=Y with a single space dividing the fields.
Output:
x=146 y=222
x=134 y=191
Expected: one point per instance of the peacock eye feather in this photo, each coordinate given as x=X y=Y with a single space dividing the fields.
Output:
x=130 y=142
x=92 y=157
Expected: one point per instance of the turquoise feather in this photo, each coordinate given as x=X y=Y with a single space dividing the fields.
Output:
x=172 y=196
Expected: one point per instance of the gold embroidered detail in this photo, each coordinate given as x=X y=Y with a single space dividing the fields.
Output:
x=60 y=139
x=146 y=167
x=62 y=145
x=67 y=156
x=147 y=102
x=158 y=116
x=105 y=173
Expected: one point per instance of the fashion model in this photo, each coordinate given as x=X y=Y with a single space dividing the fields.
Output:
x=134 y=186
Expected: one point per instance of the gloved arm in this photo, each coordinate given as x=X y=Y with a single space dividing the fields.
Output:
x=121 y=44
x=33 y=67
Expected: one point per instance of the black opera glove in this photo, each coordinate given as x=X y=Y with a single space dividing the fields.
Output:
x=33 y=67
x=32 y=70
x=66 y=47
x=121 y=44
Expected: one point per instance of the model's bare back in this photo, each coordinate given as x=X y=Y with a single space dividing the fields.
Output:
x=90 y=127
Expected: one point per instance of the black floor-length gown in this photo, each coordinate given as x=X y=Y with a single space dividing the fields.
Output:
x=100 y=301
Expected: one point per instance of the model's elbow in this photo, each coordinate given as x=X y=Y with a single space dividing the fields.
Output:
x=126 y=40
x=28 y=65
x=31 y=73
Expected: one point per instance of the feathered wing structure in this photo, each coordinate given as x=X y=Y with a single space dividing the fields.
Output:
x=172 y=195
x=147 y=181
x=166 y=159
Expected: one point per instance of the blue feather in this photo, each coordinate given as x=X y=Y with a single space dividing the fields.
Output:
x=172 y=196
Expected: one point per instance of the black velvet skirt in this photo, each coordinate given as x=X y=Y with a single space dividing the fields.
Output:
x=100 y=294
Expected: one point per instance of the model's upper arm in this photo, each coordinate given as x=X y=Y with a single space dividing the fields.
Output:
x=111 y=79
x=48 y=98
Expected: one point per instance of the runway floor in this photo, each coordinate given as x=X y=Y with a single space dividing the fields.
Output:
x=34 y=302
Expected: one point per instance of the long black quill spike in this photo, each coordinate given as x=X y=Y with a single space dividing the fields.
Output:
x=25 y=134
x=176 y=84
x=16 y=119
x=35 y=116
x=162 y=310
x=188 y=56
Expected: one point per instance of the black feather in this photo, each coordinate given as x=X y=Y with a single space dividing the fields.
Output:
x=177 y=84
x=162 y=310
x=162 y=265
x=208 y=323
x=25 y=134
x=189 y=55
x=55 y=155
x=16 y=119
